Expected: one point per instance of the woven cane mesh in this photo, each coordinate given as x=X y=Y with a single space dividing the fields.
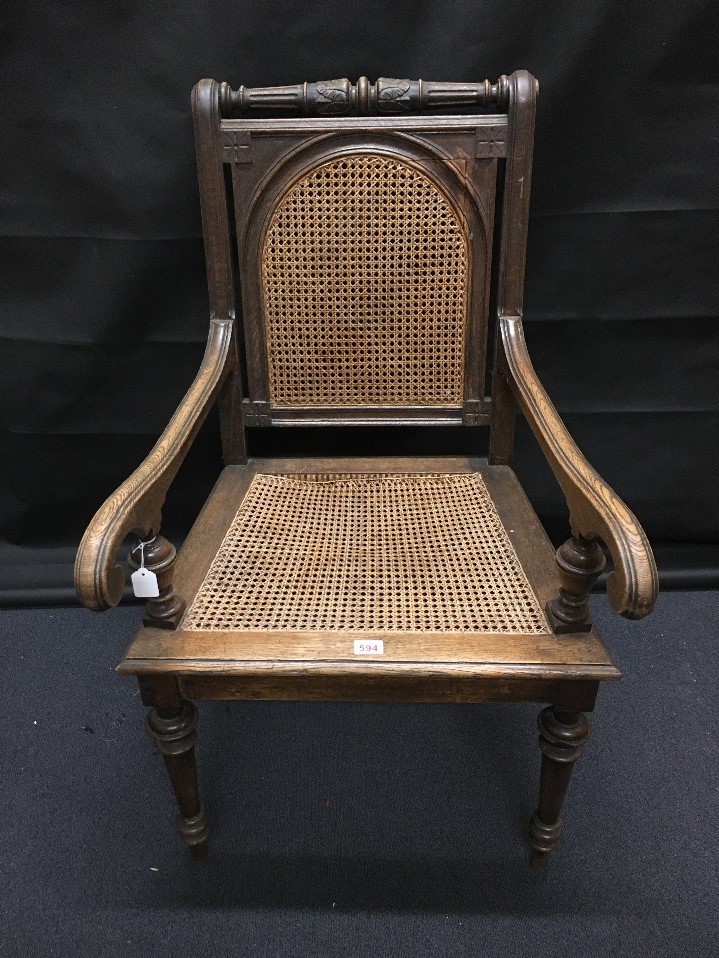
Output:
x=369 y=553
x=364 y=277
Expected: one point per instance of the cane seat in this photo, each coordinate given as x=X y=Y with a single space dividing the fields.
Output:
x=367 y=553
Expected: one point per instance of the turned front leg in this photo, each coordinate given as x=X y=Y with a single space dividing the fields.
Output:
x=174 y=733
x=561 y=738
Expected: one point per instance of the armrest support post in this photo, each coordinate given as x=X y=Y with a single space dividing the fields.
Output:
x=165 y=611
x=596 y=510
x=580 y=562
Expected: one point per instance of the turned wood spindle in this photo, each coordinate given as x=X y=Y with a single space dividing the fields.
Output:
x=165 y=611
x=341 y=97
x=175 y=733
x=581 y=562
x=561 y=738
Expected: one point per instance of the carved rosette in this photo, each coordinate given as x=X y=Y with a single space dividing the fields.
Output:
x=236 y=147
x=491 y=142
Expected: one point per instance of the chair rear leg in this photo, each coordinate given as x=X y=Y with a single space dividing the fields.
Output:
x=561 y=738
x=174 y=732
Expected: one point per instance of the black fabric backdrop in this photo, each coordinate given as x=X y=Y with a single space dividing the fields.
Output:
x=104 y=306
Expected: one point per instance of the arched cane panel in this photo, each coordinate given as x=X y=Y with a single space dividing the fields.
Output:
x=364 y=273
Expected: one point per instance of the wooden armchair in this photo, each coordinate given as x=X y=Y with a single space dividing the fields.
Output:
x=365 y=230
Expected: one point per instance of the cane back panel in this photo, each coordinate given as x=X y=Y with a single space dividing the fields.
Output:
x=364 y=281
x=364 y=249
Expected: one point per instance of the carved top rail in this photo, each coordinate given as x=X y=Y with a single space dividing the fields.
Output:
x=386 y=96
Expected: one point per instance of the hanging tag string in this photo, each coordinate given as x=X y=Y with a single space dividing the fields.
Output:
x=141 y=547
x=144 y=581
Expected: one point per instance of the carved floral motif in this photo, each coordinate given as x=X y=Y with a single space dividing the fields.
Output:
x=393 y=98
x=332 y=97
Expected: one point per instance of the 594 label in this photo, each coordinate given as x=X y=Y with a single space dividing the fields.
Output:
x=363 y=647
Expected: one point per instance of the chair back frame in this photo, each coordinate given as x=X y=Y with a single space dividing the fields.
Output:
x=247 y=166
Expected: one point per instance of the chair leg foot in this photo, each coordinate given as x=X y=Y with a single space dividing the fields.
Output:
x=199 y=852
x=544 y=839
x=194 y=832
x=539 y=859
x=561 y=738
x=175 y=733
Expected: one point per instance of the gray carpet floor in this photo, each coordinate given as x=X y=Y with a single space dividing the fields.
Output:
x=358 y=829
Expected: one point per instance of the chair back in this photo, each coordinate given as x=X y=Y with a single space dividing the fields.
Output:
x=359 y=238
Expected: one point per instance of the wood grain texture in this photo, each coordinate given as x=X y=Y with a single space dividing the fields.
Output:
x=136 y=505
x=218 y=257
x=174 y=732
x=284 y=651
x=266 y=415
x=522 y=92
x=596 y=510
x=230 y=405
x=580 y=563
x=525 y=531
x=208 y=530
x=213 y=199
x=277 y=126
x=387 y=688
x=165 y=610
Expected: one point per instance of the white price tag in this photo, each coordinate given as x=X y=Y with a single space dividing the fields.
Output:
x=366 y=647
x=144 y=584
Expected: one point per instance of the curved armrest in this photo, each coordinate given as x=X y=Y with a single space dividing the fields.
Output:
x=596 y=510
x=136 y=505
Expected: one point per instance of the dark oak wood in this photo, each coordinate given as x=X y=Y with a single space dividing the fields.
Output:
x=561 y=738
x=354 y=687
x=596 y=511
x=580 y=562
x=218 y=258
x=522 y=92
x=173 y=728
x=164 y=611
x=230 y=403
x=416 y=667
x=247 y=165
x=263 y=414
x=337 y=97
x=284 y=150
x=136 y=506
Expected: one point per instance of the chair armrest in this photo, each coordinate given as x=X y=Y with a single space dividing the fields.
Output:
x=596 y=511
x=136 y=505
